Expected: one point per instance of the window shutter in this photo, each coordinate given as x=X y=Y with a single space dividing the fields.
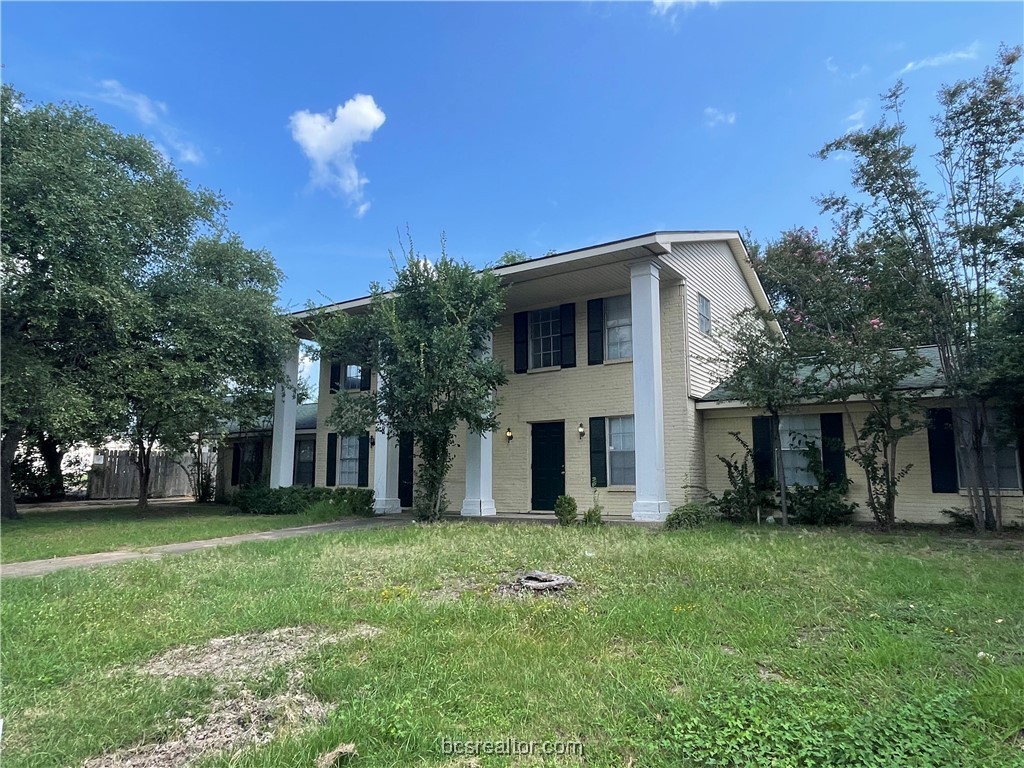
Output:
x=598 y=455
x=942 y=451
x=764 y=461
x=364 y=378
x=568 y=325
x=236 y=463
x=521 y=331
x=595 y=331
x=363 y=477
x=332 y=458
x=833 y=449
x=258 y=462
x=335 y=377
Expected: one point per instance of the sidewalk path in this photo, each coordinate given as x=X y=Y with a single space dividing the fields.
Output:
x=43 y=567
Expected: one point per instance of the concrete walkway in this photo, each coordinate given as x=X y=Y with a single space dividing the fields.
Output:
x=43 y=567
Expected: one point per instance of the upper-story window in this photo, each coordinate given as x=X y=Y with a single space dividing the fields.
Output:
x=704 y=314
x=618 y=325
x=545 y=338
x=353 y=376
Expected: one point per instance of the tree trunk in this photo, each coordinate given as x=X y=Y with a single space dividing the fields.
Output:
x=53 y=458
x=780 y=467
x=8 y=447
x=142 y=462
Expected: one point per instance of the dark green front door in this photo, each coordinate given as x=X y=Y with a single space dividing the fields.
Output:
x=405 y=469
x=548 y=468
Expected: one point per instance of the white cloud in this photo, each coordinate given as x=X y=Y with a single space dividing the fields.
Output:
x=669 y=9
x=835 y=69
x=714 y=117
x=830 y=66
x=328 y=141
x=152 y=114
x=966 y=54
x=309 y=372
x=855 y=120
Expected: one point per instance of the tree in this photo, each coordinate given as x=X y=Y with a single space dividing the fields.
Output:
x=849 y=337
x=204 y=344
x=427 y=339
x=86 y=214
x=512 y=257
x=953 y=247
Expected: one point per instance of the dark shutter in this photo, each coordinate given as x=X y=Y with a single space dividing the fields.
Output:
x=568 y=325
x=236 y=463
x=833 y=449
x=521 y=331
x=364 y=379
x=764 y=461
x=598 y=454
x=332 y=458
x=363 y=478
x=595 y=331
x=257 y=473
x=335 y=377
x=942 y=450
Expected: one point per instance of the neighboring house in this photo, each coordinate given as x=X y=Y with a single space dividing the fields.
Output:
x=604 y=347
x=931 y=485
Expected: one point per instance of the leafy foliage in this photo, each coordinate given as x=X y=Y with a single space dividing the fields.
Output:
x=592 y=517
x=297 y=499
x=690 y=515
x=744 y=500
x=565 y=510
x=427 y=339
x=823 y=503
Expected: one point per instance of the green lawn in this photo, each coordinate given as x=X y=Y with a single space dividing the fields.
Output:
x=69 y=531
x=724 y=646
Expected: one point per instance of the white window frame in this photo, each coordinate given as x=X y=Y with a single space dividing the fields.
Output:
x=988 y=449
x=795 y=432
x=554 y=355
x=352 y=378
x=704 y=314
x=348 y=460
x=619 y=322
x=609 y=450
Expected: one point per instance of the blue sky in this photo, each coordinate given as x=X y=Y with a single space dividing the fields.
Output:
x=540 y=126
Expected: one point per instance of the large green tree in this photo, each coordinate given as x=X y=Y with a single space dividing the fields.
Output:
x=954 y=244
x=86 y=212
x=426 y=335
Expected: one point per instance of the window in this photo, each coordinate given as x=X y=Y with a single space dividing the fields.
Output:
x=545 y=338
x=704 y=314
x=1001 y=463
x=621 y=451
x=305 y=455
x=348 y=460
x=796 y=434
x=353 y=377
x=618 y=323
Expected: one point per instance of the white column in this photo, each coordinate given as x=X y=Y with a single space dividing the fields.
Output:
x=385 y=469
x=282 y=449
x=651 y=504
x=385 y=474
x=479 y=499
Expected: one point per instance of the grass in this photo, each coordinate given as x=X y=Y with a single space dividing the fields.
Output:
x=735 y=645
x=69 y=531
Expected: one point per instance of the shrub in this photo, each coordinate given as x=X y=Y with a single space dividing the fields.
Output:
x=261 y=500
x=692 y=515
x=824 y=504
x=743 y=499
x=565 y=510
x=592 y=517
x=959 y=517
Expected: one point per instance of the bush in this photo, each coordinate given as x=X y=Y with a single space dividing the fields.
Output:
x=592 y=517
x=692 y=515
x=741 y=502
x=823 y=504
x=261 y=500
x=959 y=517
x=565 y=510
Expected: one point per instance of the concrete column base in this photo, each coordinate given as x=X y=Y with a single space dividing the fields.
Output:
x=650 y=511
x=478 y=508
x=387 y=507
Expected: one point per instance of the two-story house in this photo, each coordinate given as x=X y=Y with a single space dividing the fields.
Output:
x=605 y=348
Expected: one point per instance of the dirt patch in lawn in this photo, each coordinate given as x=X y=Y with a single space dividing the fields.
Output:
x=238 y=717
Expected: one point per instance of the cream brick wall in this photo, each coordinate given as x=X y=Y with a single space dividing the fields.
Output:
x=916 y=502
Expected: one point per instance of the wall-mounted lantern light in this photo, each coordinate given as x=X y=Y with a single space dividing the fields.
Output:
x=582 y=431
x=508 y=435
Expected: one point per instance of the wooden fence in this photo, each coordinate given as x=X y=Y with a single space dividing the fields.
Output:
x=114 y=475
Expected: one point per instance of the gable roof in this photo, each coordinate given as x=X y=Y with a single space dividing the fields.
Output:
x=928 y=377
